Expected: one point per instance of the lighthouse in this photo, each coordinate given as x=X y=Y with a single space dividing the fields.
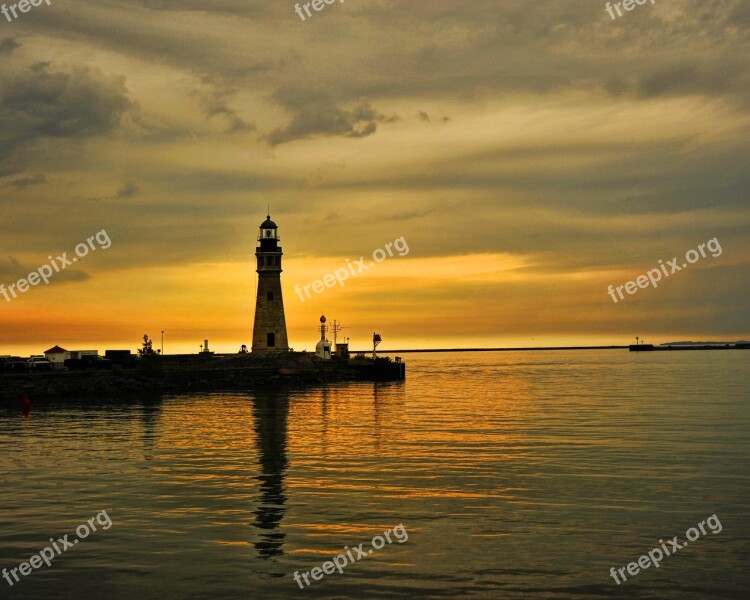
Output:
x=269 y=331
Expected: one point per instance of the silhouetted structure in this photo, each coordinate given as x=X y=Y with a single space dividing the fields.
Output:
x=269 y=330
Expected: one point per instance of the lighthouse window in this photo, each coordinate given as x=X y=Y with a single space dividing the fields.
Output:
x=271 y=340
x=269 y=296
x=278 y=261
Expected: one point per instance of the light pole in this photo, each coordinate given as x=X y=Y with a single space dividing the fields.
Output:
x=162 y=343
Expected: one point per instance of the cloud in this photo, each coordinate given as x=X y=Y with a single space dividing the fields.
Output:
x=407 y=215
x=321 y=117
x=11 y=270
x=217 y=104
x=7 y=45
x=24 y=182
x=42 y=102
x=126 y=190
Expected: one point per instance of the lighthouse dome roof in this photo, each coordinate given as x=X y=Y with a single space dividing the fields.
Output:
x=268 y=224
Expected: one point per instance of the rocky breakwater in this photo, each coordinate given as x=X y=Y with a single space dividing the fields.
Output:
x=179 y=374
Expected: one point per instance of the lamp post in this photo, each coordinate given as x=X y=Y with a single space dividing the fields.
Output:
x=162 y=343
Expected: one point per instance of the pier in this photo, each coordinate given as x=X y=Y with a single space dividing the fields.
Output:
x=675 y=347
x=179 y=374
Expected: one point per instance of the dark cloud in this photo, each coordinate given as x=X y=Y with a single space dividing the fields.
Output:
x=126 y=190
x=217 y=104
x=407 y=215
x=322 y=117
x=24 y=182
x=43 y=103
x=206 y=181
x=232 y=7
x=7 y=45
x=10 y=267
x=427 y=47
x=684 y=79
x=11 y=270
x=177 y=40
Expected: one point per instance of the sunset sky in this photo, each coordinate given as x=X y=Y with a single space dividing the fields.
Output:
x=531 y=153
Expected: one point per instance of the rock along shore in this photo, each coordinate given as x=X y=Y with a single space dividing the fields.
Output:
x=196 y=373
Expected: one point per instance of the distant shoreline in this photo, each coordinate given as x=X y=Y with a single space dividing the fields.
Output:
x=633 y=348
x=493 y=349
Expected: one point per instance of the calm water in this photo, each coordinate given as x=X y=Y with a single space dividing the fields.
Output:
x=516 y=475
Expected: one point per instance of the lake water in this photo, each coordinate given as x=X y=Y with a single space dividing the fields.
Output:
x=514 y=474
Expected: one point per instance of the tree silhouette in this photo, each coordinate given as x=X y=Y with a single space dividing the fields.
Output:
x=147 y=349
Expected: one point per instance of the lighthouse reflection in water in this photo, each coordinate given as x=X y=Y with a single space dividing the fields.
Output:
x=270 y=410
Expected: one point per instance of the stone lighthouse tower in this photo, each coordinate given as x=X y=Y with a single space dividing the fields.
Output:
x=269 y=331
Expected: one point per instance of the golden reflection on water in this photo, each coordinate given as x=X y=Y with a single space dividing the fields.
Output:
x=521 y=471
x=337 y=439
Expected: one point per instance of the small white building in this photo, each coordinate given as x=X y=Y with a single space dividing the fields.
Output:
x=56 y=356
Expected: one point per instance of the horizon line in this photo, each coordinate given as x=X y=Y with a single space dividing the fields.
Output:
x=492 y=349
